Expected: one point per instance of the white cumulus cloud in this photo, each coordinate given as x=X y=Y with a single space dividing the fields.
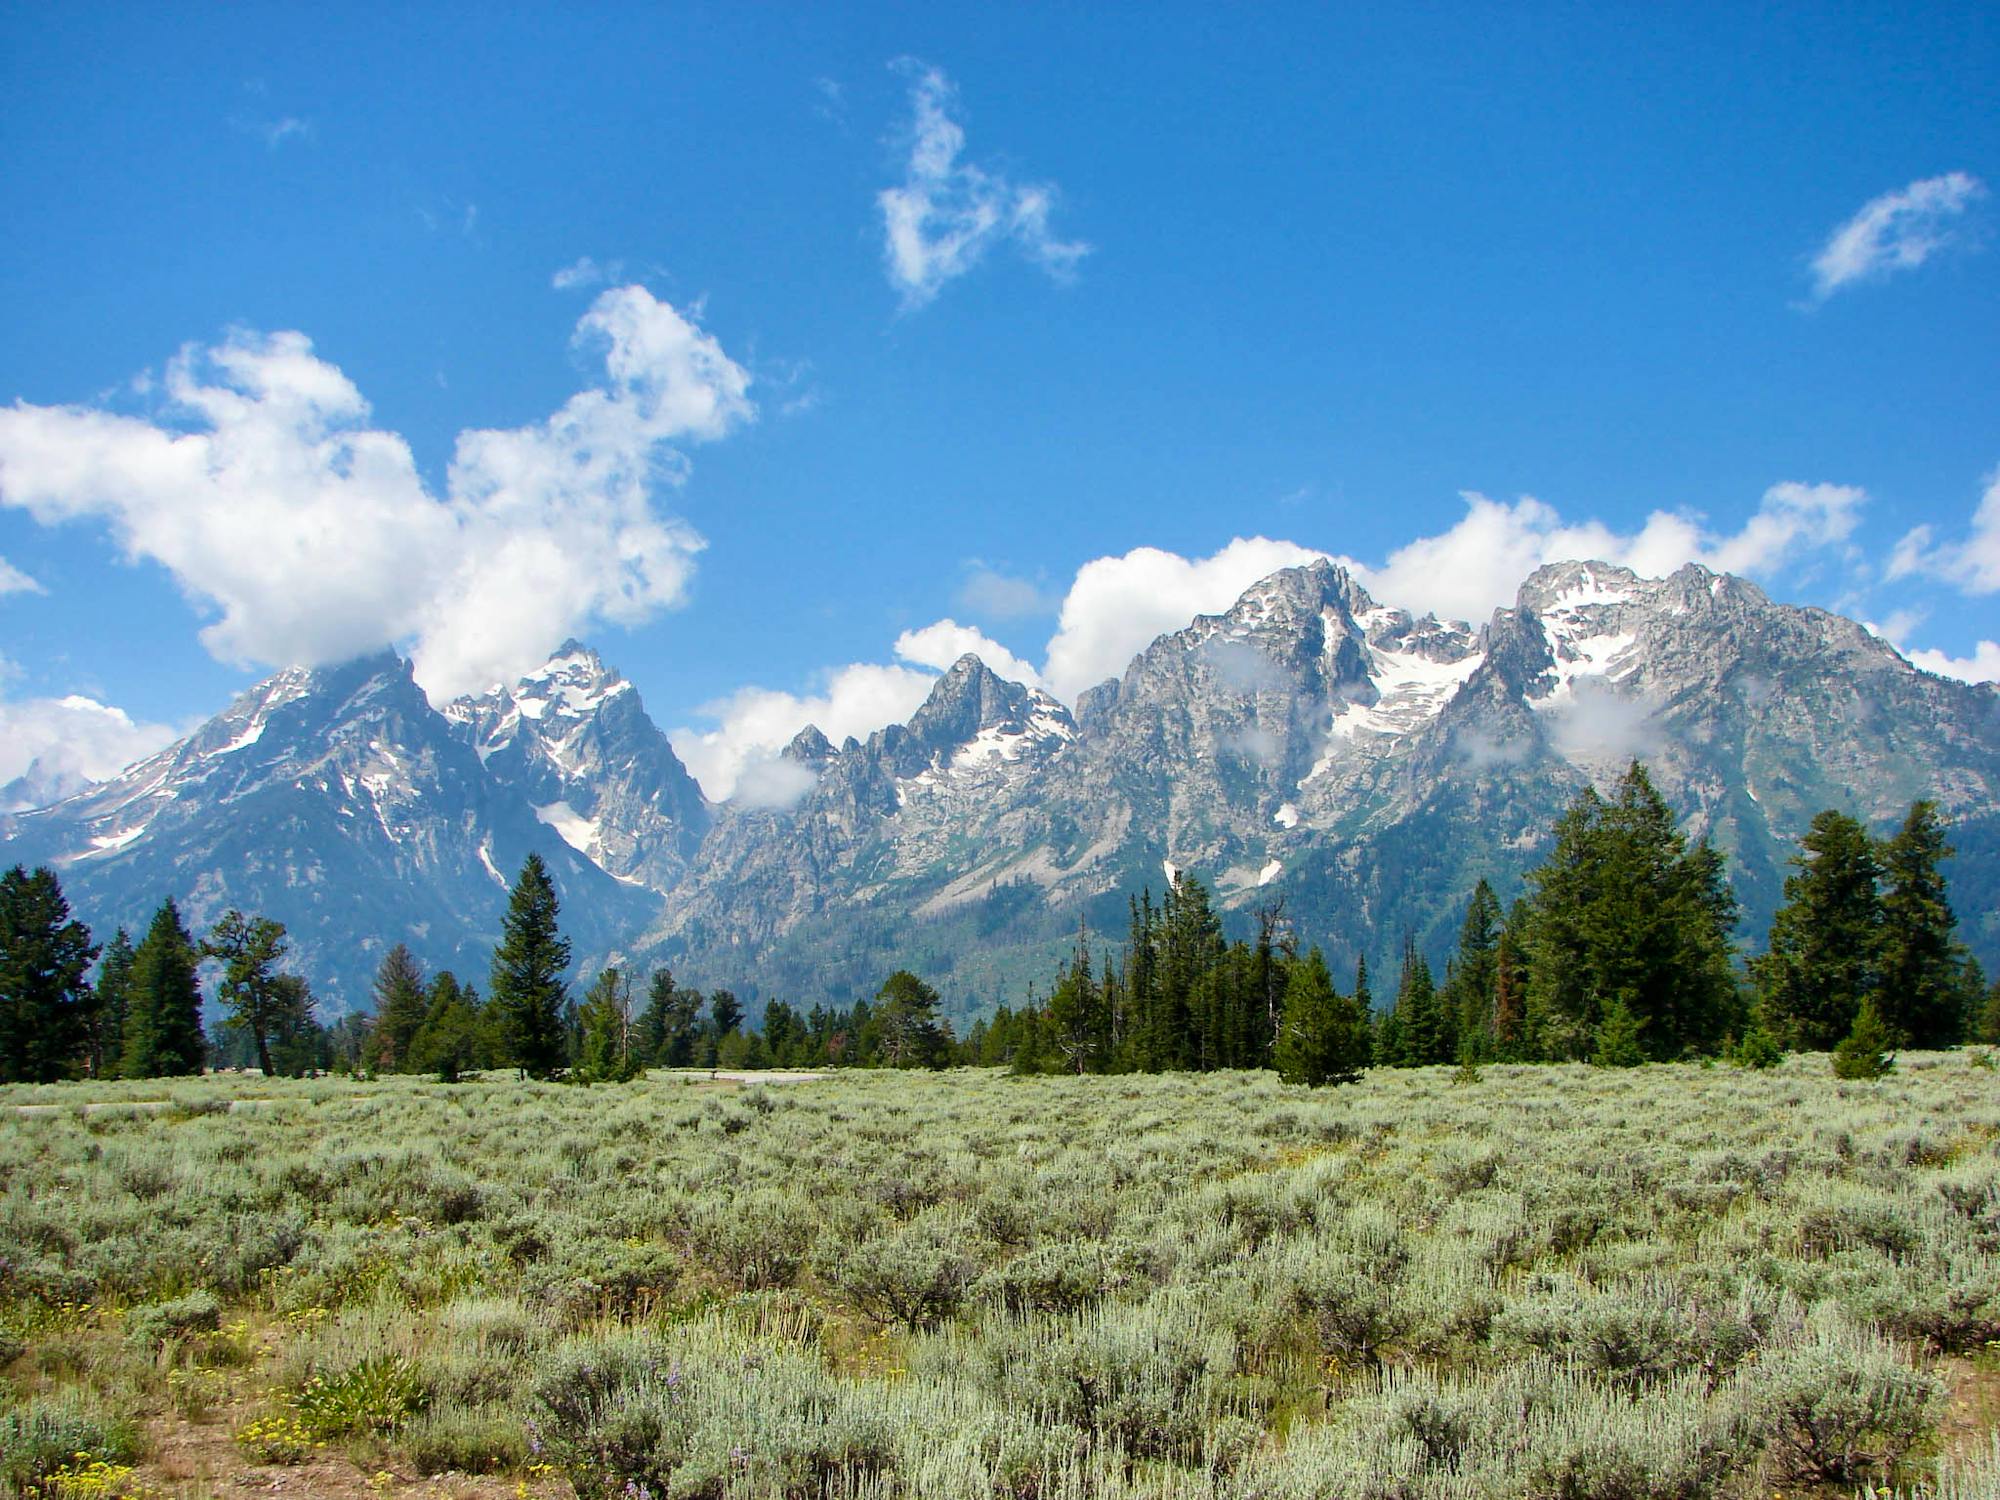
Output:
x=1898 y=231
x=1973 y=564
x=1117 y=606
x=1477 y=565
x=753 y=724
x=941 y=644
x=948 y=212
x=1982 y=666
x=309 y=536
x=70 y=741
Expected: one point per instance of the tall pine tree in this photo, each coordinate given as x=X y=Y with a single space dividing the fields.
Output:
x=163 y=1036
x=1469 y=990
x=114 y=999
x=1623 y=910
x=1323 y=1036
x=45 y=993
x=1821 y=960
x=527 y=991
x=1920 y=991
x=1421 y=1031
x=401 y=1006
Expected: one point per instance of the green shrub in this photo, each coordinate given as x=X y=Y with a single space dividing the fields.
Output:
x=373 y=1396
x=154 y=1323
x=1867 y=1052
x=915 y=1274
x=1840 y=1405
x=48 y=1432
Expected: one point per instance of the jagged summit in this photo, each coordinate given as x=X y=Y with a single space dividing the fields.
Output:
x=809 y=748
x=973 y=715
x=335 y=799
x=1309 y=743
x=574 y=740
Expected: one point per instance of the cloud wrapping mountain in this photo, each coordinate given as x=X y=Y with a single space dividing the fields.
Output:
x=310 y=536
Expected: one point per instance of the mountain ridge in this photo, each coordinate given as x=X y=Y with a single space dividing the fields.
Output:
x=1363 y=764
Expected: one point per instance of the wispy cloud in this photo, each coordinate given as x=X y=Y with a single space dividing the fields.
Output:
x=14 y=581
x=949 y=212
x=830 y=101
x=1972 y=564
x=993 y=595
x=274 y=133
x=1898 y=231
x=585 y=272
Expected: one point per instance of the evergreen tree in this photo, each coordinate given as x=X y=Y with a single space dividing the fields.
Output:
x=1623 y=910
x=725 y=1013
x=528 y=991
x=1989 y=1016
x=670 y=1023
x=1510 y=983
x=785 y=1036
x=1144 y=1034
x=249 y=950
x=401 y=1006
x=1422 y=1033
x=906 y=1016
x=1469 y=993
x=1191 y=946
x=450 y=1041
x=1972 y=997
x=45 y=995
x=1919 y=989
x=297 y=1043
x=163 y=1036
x=605 y=1020
x=114 y=999
x=1078 y=1029
x=1618 y=1038
x=1758 y=1049
x=1322 y=1035
x=1868 y=1050
x=1820 y=962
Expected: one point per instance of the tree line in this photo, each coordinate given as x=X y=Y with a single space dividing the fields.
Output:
x=139 y=1012
x=1620 y=950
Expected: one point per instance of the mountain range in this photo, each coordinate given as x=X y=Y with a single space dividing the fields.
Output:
x=1309 y=745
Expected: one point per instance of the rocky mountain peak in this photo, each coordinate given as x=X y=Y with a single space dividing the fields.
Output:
x=974 y=715
x=809 y=748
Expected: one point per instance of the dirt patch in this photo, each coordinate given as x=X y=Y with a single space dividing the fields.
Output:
x=1972 y=1408
x=201 y=1460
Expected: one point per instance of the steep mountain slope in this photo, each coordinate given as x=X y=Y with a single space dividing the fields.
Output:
x=573 y=739
x=1307 y=745
x=1365 y=766
x=337 y=801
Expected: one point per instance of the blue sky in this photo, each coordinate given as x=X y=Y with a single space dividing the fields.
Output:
x=1657 y=283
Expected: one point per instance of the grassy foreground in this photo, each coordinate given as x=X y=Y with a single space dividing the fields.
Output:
x=1548 y=1282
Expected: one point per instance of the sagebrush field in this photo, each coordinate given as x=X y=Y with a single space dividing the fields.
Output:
x=1538 y=1281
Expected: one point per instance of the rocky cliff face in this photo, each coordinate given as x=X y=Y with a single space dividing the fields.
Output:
x=1309 y=745
x=1365 y=766
x=573 y=740
x=337 y=801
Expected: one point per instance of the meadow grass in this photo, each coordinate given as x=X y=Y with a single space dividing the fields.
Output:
x=1556 y=1282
